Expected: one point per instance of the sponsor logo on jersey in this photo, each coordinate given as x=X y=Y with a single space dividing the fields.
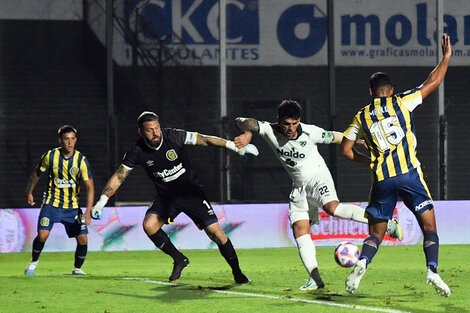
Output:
x=44 y=222
x=74 y=171
x=291 y=154
x=168 y=175
x=64 y=183
x=423 y=204
x=171 y=155
x=149 y=163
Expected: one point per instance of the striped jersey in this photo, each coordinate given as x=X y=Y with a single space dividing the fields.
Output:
x=63 y=187
x=387 y=126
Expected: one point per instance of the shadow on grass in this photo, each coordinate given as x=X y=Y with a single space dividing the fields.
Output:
x=175 y=292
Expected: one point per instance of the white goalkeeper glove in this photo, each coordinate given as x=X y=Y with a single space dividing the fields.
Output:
x=97 y=209
x=248 y=149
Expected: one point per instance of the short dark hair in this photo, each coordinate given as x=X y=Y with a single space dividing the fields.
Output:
x=289 y=108
x=379 y=79
x=66 y=129
x=146 y=116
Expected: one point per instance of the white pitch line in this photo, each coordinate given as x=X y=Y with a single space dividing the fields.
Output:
x=327 y=303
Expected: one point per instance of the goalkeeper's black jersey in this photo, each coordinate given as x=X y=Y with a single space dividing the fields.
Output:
x=166 y=165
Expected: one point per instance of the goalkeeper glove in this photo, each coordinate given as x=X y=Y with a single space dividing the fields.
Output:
x=248 y=149
x=97 y=209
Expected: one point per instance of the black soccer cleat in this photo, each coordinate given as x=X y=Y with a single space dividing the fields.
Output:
x=240 y=278
x=178 y=268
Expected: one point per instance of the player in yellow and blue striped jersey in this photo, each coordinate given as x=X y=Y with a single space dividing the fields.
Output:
x=387 y=126
x=66 y=167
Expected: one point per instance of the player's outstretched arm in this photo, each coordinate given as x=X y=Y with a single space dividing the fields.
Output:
x=243 y=139
x=437 y=75
x=337 y=137
x=245 y=124
x=109 y=190
x=205 y=140
x=347 y=150
x=33 y=181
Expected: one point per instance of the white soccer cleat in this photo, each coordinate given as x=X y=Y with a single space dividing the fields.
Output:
x=314 y=281
x=310 y=285
x=436 y=281
x=78 y=272
x=354 y=278
x=394 y=229
x=29 y=271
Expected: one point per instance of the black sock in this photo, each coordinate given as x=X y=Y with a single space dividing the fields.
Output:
x=161 y=240
x=228 y=252
x=431 y=249
x=80 y=255
x=369 y=249
x=37 y=248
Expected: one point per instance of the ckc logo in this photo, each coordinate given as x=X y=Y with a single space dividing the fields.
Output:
x=194 y=21
x=300 y=32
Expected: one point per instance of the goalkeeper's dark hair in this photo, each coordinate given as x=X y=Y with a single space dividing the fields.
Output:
x=146 y=116
x=64 y=129
x=289 y=108
x=378 y=80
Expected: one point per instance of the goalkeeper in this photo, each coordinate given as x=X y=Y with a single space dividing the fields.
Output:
x=161 y=152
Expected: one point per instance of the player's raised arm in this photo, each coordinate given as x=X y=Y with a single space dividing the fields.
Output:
x=205 y=140
x=109 y=190
x=437 y=75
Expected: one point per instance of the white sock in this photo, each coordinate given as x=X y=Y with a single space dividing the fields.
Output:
x=307 y=252
x=351 y=212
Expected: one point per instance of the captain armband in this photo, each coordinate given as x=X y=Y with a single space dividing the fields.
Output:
x=191 y=138
x=328 y=137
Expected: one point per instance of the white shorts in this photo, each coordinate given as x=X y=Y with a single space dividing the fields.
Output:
x=305 y=200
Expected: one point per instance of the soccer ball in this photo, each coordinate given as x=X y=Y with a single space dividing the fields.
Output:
x=346 y=254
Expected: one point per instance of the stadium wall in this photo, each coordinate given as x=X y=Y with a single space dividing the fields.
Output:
x=120 y=228
x=47 y=80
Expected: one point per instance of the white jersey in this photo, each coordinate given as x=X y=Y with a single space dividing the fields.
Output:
x=300 y=157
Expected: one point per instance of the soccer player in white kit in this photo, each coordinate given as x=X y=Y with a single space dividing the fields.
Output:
x=295 y=145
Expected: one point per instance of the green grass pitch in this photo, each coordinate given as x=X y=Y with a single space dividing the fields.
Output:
x=394 y=282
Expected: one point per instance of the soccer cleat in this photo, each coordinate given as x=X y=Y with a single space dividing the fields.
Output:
x=178 y=268
x=314 y=281
x=29 y=271
x=240 y=278
x=394 y=229
x=436 y=281
x=354 y=278
x=78 y=272
x=310 y=285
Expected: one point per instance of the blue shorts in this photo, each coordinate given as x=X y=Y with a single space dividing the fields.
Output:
x=68 y=217
x=410 y=187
